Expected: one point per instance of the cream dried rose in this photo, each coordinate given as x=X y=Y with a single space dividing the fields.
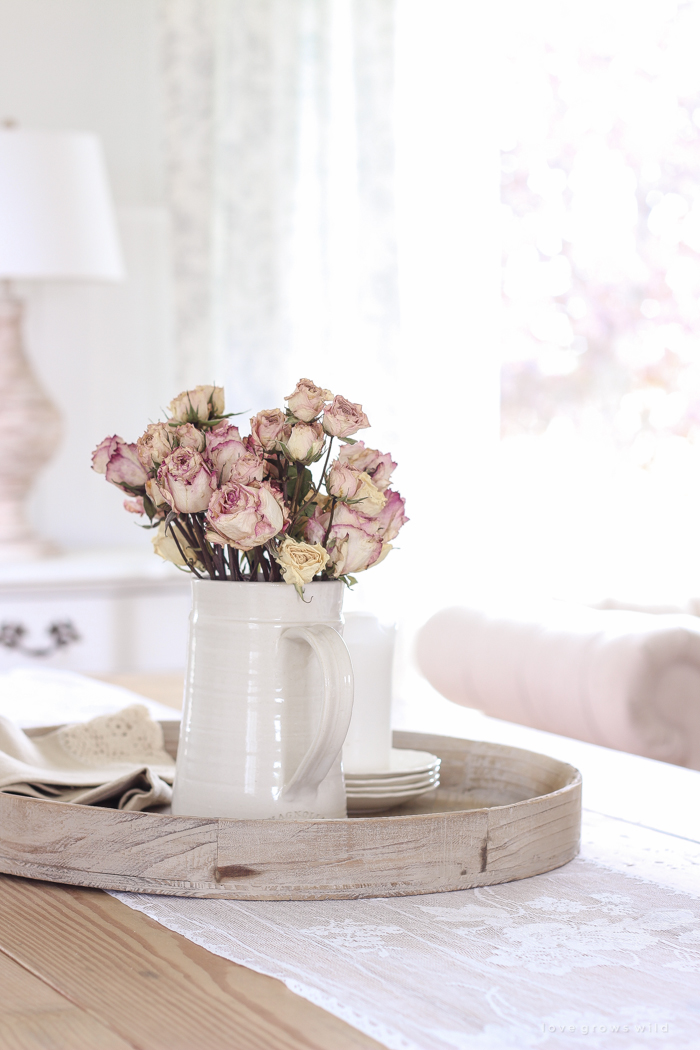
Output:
x=197 y=405
x=165 y=546
x=300 y=562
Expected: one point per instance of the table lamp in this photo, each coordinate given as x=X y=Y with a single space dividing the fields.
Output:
x=56 y=223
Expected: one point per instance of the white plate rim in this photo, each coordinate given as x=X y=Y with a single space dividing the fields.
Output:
x=421 y=762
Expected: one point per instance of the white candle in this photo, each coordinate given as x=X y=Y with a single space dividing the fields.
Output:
x=367 y=747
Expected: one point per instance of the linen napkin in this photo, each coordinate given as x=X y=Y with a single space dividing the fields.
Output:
x=114 y=759
x=626 y=680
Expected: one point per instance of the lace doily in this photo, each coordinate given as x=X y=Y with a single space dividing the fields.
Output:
x=129 y=736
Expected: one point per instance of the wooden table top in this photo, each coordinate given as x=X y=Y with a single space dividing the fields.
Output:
x=81 y=971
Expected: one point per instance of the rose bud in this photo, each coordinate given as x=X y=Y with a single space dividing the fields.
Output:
x=343 y=418
x=154 y=494
x=269 y=428
x=300 y=562
x=134 y=506
x=120 y=464
x=316 y=526
x=245 y=516
x=198 y=405
x=305 y=442
x=157 y=443
x=250 y=466
x=343 y=481
x=185 y=481
x=379 y=465
x=189 y=437
x=307 y=400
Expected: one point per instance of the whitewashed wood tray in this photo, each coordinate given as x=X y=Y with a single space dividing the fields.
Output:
x=499 y=814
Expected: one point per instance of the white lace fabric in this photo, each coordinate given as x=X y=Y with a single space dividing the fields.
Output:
x=130 y=735
x=606 y=948
x=114 y=756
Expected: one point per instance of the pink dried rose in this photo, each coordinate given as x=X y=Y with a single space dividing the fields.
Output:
x=343 y=418
x=317 y=525
x=250 y=466
x=134 y=506
x=101 y=455
x=379 y=465
x=197 y=405
x=269 y=428
x=343 y=480
x=189 y=437
x=305 y=442
x=352 y=549
x=353 y=542
x=120 y=464
x=224 y=447
x=165 y=545
x=157 y=443
x=185 y=481
x=346 y=483
x=307 y=400
x=392 y=517
x=244 y=516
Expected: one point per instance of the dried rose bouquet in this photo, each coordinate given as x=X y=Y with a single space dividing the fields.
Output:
x=228 y=507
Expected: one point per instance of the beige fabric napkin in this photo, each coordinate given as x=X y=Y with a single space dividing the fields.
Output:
x=113 y=759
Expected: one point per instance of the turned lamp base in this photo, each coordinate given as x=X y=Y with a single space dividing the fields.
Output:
x=30 y=429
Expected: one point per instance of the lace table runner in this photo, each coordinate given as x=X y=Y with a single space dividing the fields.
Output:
x=603 y=952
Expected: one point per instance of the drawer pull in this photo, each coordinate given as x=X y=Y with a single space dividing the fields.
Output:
x=61 y=634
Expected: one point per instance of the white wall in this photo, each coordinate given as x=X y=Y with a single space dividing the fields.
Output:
x=102 y=352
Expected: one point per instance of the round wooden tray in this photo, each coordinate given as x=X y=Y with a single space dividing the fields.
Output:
x=499 y=814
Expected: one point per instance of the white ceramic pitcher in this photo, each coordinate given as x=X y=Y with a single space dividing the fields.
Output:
x=268 y=700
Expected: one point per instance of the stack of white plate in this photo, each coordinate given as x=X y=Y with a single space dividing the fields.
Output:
x=410 y=773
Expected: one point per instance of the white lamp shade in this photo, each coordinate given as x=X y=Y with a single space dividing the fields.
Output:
x=56 y=213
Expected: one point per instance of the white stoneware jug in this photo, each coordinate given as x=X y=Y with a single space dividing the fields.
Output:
x=268 y=700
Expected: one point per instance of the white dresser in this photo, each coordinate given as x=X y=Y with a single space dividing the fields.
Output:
x=103 y=612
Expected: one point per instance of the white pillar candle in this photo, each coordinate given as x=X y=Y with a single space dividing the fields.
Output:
x=367 y=747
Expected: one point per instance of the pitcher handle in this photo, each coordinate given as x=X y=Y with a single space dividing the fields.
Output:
x=334 y=658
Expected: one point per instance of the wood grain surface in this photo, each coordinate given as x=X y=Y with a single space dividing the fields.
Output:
x=500 y=814
x=81 y=971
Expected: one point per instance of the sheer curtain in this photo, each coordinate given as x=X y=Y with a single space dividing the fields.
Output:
x=331 y=167
x=280 y=169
